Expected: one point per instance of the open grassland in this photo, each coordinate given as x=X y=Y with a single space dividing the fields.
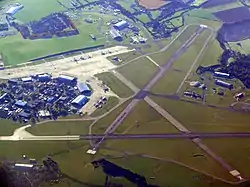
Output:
x=16 y=50
x=173 y=149
x=111 y=103
x=241 y=46
x=161 y=173
x=139 y=72
x=202 y=13
x=7 y=127
x=174 y=77
x=35 y=10
x=60 y=128
x=234 y=151
x=75 y=163
x=200 y=118
x=161 y=58
x=144 y=119
x=115 y=84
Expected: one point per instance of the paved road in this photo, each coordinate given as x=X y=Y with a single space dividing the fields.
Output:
x=148 y=86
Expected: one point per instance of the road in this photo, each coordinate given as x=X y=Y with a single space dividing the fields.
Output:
x=114 y=125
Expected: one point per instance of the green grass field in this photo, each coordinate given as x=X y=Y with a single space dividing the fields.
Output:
x=7 y=127
x=235 y=150
x=139 y=72
x=60 y=128
x=115 y=84
x=111 y=103
x=199 y=118
x=144 y=119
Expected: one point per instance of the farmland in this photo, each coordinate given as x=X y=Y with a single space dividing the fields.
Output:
x=233 y=15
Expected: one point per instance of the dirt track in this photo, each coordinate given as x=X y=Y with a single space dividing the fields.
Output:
x=152 y=4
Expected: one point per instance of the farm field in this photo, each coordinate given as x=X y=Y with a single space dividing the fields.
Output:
x=60 y=128
x=233 y=15
x=174 y=77
x=204 y=119
x=132 y=71
x=216 y=6
x=115 y=84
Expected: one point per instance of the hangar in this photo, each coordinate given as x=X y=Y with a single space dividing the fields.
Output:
x=121 y=25
x=80 y=101
x=14 y=9
x=67 y=79
x=115 y=35
x=84 y=89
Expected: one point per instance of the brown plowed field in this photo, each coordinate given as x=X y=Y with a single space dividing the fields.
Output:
x=152 y=4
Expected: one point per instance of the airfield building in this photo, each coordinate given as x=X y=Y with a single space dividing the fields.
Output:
x=80 y=101
x=44 y=77
x=115 y=34
x=67 y=80
x=26 y=79
x=121 y=25
x=84 y=89
x=224 y=84
x=14 y=9
x=23 y=167
x=221 y=75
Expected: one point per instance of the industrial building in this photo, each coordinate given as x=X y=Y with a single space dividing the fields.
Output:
x=14 y=9
x=115 y=34
x=224 y=84
x=80 y=101
x=221 y=75
x=67 y=79
x=84 y=89
x=121 y=25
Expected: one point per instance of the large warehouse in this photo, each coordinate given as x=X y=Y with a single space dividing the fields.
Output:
x=121 y=25
x=80 y=101
x=84 y=89
x=115 y=34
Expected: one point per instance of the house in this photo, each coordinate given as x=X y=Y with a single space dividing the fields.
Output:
x=14 y=9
